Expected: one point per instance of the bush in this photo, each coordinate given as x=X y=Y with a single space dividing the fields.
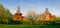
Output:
x=50 y=22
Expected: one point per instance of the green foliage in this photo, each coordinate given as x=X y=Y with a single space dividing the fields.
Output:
x=26 y=22
x=40 y=22
x=5 y=14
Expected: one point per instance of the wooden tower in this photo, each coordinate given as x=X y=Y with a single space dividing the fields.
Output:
x=48 y=15
x=18 y=15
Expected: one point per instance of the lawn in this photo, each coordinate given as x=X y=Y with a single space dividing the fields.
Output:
x=28 y=26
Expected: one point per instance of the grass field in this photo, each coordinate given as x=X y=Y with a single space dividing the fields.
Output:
x=28 y=26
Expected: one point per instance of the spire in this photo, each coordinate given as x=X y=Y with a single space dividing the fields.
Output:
x=18 y=8
x=46 y=11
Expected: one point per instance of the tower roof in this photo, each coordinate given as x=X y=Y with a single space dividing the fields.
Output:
x=46 y=11
x=18 y=10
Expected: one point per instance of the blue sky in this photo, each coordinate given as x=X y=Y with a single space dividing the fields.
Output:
x=35 y=5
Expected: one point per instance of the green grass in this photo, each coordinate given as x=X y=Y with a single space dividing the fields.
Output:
x=28 y=26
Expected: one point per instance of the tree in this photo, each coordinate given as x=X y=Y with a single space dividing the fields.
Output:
x=31 y=16
x=5 y=14
x=1 y=12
